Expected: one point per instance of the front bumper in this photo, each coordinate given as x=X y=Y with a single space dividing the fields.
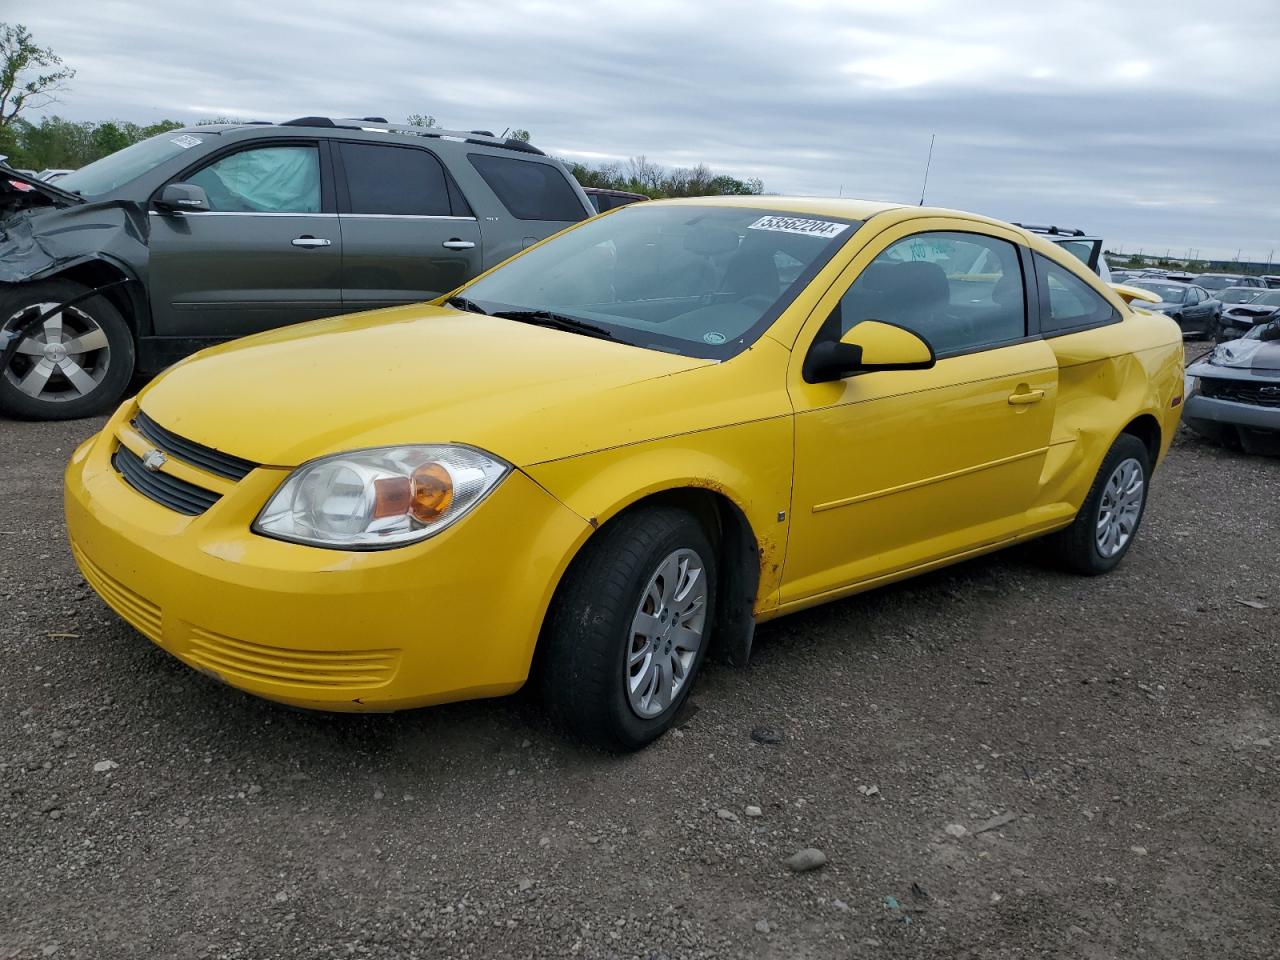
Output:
x=1209 y=414
x=454 y=617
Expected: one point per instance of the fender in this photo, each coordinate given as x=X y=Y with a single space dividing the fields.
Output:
x=726 y=462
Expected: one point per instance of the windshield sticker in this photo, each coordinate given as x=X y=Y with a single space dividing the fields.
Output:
x=713 y=337
x=186 y=141
x=811 y=228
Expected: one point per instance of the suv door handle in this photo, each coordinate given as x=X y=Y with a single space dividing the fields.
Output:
x=456 y=244
x=310 y=241
x=1026 y=396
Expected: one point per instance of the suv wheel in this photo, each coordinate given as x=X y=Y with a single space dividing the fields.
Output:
x=75 y=363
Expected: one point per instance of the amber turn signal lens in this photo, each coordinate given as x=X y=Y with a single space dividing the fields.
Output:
x=432 y=492
x=391 y=497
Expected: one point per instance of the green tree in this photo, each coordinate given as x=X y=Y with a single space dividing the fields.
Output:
x=641 y=175
x=30 y=76
x=518 y=134
x=421 y=120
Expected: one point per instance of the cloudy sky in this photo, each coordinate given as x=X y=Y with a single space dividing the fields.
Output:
x=1154 y=124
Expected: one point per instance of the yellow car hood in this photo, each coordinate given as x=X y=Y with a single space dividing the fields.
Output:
x=414 y=374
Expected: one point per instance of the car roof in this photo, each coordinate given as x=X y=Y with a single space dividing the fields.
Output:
x=853 y=209
x=809 y=206
x=1163 y=281
x=364 y=127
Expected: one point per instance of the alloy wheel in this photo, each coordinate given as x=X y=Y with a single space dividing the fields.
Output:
x=666 y=633
x=65 y=358
x=1120 y=508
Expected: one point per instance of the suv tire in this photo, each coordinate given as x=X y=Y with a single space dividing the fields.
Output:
x=77 y=364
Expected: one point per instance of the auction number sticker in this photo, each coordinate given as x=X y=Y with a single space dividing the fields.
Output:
x=186 y=141
x=810 y=228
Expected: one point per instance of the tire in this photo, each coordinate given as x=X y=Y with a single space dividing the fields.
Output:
x=1078 y=547
x=585 y=676
x=61 y=384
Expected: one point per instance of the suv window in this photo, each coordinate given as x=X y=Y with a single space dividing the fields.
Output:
x=960 y=291
x=283 y=179
x=530 y=190
x=394 y=180
x=1067 y=303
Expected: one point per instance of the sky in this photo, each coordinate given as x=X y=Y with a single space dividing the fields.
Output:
x=1154 y=125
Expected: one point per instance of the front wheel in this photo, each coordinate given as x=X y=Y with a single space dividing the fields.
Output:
x=1108 y=521
x=629 y=627
x=75 y=362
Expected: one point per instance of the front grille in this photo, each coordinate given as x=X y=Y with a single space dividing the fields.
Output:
x=163 y=488
x=1243 y=391
x=255 y=663
x=142 y=613
x=196 y=454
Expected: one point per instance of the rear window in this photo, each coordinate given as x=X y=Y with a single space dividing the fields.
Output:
x=528 y=189
x=1068 y=303
x=402 y=181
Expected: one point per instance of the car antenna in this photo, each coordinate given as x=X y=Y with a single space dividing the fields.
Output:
x=924 y=186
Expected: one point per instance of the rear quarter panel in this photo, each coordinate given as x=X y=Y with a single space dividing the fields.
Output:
x=1109 y=377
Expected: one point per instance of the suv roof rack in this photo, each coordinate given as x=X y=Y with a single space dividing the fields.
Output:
x=482 y=137
x=1056 y=231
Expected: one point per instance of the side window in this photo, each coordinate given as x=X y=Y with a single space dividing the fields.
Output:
x=282 y=179
x=1068 y=303
x=529 y=189
x=960 y=291
x=405 y=181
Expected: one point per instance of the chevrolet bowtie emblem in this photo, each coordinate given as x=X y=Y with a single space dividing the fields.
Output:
x=153 y=460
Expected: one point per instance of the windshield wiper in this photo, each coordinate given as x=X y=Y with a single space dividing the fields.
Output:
x=462 y=303
x=556 y=321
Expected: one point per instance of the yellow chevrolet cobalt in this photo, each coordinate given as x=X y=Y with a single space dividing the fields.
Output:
x=615 y=454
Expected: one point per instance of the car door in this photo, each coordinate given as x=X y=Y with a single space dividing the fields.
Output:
x=895 y=470
x=407 y=232
x=535 y=197
x=268 y=252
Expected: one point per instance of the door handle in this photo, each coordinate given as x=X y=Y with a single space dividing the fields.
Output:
x=456 y=244
x=1026 y=396
x=309 y=241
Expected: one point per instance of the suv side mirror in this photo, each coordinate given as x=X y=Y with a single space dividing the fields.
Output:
x=868 y=346
x=183 y=198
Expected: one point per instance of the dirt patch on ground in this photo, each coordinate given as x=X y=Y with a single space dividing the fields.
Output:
x=998 y=760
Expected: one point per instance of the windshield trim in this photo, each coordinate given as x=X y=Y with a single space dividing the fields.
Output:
x=679 y=346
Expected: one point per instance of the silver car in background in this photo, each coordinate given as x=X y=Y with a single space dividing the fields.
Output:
x=1233 y=392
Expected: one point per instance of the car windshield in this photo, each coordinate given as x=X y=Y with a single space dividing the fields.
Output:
x=1271 y=299
x=124 y=166
x=702 y=281
x=1239 y=295
x=1166 y=292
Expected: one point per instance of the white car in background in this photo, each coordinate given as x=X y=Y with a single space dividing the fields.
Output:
x=1085 y=248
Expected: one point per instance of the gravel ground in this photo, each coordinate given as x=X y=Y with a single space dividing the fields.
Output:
x=997 y=761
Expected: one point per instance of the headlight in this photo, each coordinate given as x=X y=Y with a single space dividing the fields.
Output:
x=385 y=497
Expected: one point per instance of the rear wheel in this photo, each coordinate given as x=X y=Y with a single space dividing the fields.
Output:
x=1108 y=521
x=75 y=362
x=628 y=629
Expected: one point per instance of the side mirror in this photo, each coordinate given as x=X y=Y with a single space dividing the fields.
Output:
x=183 y=198
x=868 y=346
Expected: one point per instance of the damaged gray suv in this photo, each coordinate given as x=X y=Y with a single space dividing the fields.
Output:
x=201 y=235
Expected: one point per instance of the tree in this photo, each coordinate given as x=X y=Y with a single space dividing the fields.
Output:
x=518 y=134
x=30 y=76
x=640 y=175
x=421 y=120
